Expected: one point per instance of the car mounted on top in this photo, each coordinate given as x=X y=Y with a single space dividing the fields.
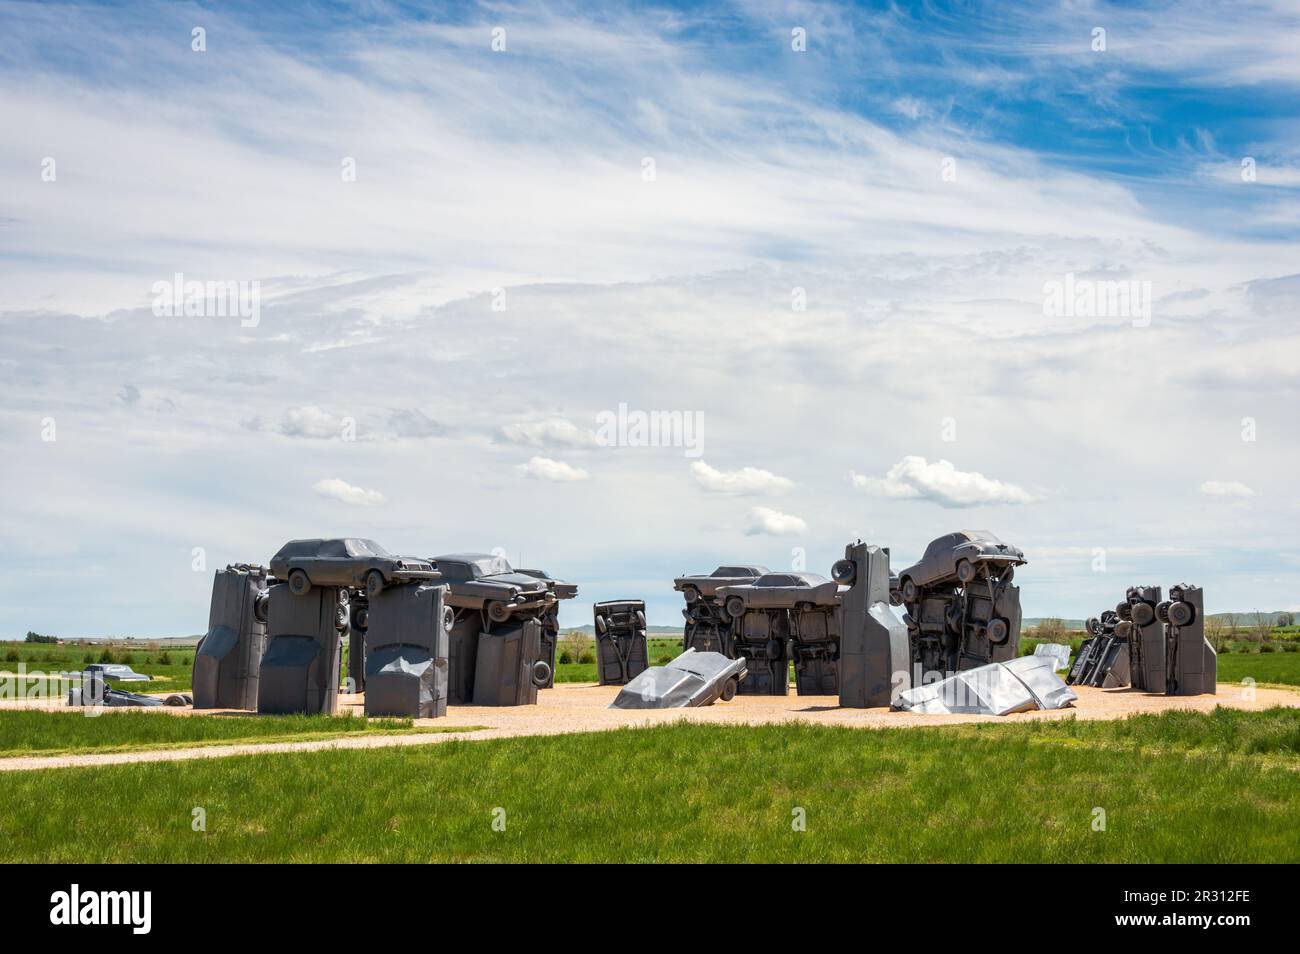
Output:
x=349 y=562
x=519 y=608
x=708 y=628
x=962 y=609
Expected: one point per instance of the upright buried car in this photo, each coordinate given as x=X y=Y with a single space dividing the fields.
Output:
x=349 y=562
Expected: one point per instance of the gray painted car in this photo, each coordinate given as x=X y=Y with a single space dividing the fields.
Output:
x=350 y=562
x=692 y=679
x=693 y=587
x=487 y=582
x=779 y=591
x=957 y=558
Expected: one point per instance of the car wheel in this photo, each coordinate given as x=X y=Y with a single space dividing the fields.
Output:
x=691 y=594
x=448 y=618
x=1143 y=614
x=497 y=611
x=541 y=673
x=729 y=689
x=299 y=583
x=341 y=618
x=998 y=631
x=1180 y=614
x=907 y=586
x=1162 y=611
x=360 y=617
x=1124 y=611
x=640 y=619
x=261 y=606
x=965 y=570
x=735 y=606
x=602 y=627
x=374 y=583
x=844 y=572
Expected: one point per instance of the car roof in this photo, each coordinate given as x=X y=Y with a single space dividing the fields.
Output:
x=464 y=557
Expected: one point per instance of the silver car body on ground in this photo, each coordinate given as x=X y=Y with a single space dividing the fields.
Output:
x=692 y=679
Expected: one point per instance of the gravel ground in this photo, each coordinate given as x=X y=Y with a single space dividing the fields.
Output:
x=583 y=708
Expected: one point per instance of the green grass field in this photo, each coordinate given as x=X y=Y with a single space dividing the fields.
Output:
x=1177 y=787
x=33 y=732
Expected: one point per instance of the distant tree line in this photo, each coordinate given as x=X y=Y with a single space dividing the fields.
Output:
x=38 y=638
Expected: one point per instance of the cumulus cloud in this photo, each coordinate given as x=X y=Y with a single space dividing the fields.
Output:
x=746 y=480
x=765 y=520
x=310 y=421
x=553 y=432
x=915 y=478
x=342 y=491
x=544 y=468
x=1226 y=488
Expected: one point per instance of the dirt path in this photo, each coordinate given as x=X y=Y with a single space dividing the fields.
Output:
x=583 y=708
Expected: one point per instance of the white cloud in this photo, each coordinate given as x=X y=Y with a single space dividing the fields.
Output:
x=1226 y=488
x=341 y=490
x=747 y=480
x=544 y=468
x=765 y=520
x=552 y=432
x=916 y=478
x=310 y=421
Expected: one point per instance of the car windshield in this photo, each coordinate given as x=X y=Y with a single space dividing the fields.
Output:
x=365 y=548
x=492 y=565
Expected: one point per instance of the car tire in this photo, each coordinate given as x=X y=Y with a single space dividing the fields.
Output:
x=1162 y=611
x=498 y=611
x=735 y=607
x=602 y=627
x=374 y=583
x=844 y=572
x=448 y=618
x=261 y=606
x=299 y=583
x=541 y=673
x=691 y=595
x=1143 y=614
x=729 y=689
x=341 y=618
x=998 y=631
x=1181 y=614
x=965 y=571
x=907 y=586
x=360 y=617
x=639 y=617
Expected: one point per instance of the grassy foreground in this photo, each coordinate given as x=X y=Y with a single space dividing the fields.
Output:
x=31 y=732
x=1176 y=787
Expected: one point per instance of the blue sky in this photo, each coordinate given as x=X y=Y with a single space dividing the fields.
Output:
x=923 y=388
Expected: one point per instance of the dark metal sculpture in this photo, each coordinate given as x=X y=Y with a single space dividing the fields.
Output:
x=874 y=652
x=708 y=628
x=407 y=643
x=349 y=562
x=963 y=611
x=800 y=610
x=229 y=656
x=1146 y=637
x=300 y=668
x=1191 y=664
x=1103 y=658
x=508 y=668
x=622 y=652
